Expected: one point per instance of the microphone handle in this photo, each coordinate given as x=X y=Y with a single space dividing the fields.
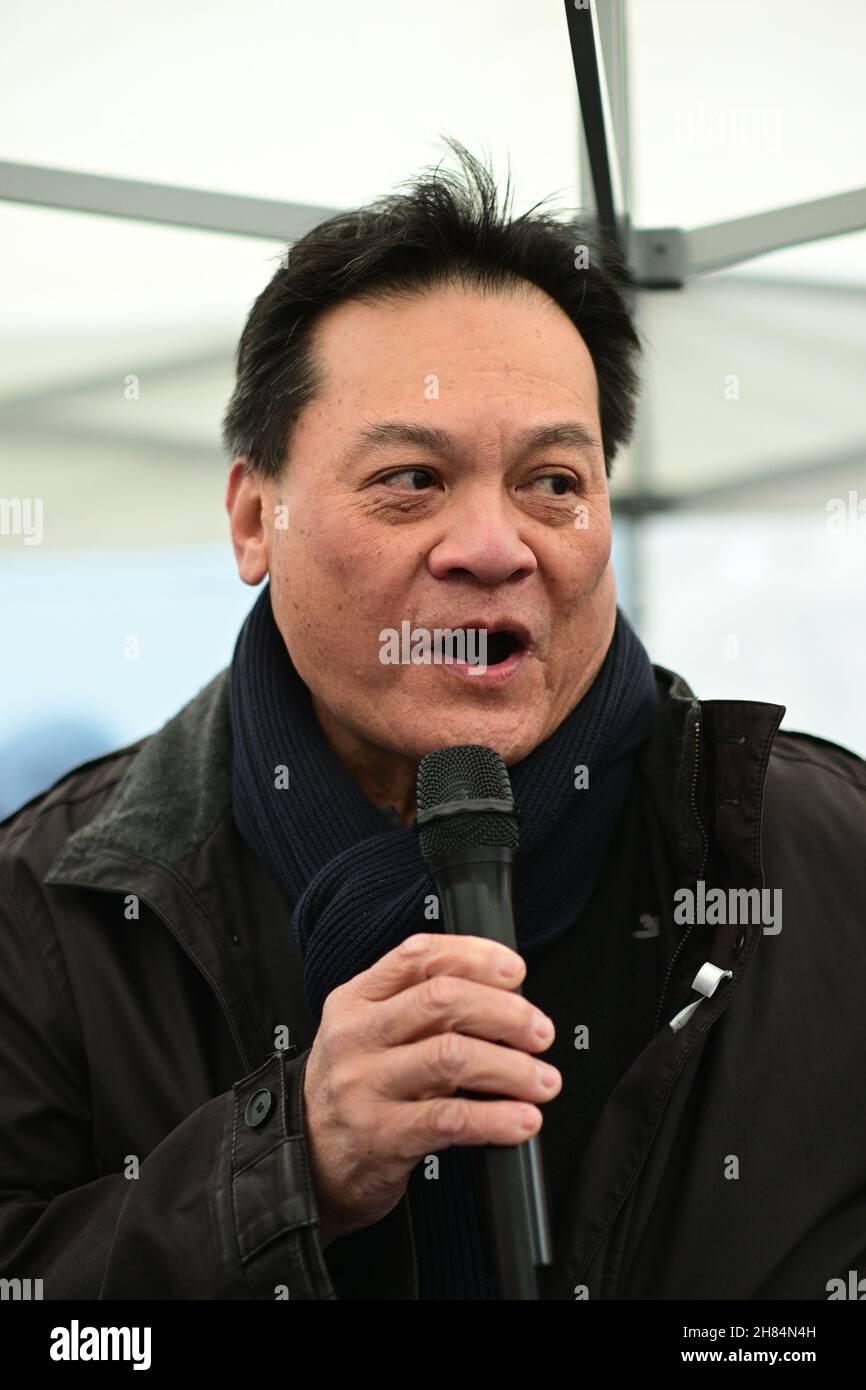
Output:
x=474 y=887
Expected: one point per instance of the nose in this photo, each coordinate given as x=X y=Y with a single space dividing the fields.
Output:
x=481 y=540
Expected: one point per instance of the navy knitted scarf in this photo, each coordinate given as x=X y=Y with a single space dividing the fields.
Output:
x=358 y=883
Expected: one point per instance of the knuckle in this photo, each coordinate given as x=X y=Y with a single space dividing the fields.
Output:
x=443 y=992
x=335 y=1007
x=449 y=1117
x=338 y=1031
x=414 y=946
x=341 y=1085
x=331 y=1004
x=449 y=1054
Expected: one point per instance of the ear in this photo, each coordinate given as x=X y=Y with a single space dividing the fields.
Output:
x=246 y=504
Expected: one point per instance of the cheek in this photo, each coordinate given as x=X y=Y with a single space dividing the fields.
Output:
x=580 y=561
x=320 y=549
x=332 y=573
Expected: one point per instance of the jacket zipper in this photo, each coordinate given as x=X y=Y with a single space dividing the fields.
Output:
x=684 y=939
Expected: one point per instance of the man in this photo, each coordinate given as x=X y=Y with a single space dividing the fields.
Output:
x=240 y=1058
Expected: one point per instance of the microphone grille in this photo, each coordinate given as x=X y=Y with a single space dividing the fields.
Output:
x=465 y=772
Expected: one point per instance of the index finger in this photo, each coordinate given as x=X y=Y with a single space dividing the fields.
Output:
x=433 y=953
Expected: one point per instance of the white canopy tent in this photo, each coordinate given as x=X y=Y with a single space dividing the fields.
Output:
x=156 y=161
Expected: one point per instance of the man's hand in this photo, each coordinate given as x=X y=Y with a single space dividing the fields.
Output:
x=395 y=1042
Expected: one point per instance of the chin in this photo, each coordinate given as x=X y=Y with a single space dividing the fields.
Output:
x=511 y=744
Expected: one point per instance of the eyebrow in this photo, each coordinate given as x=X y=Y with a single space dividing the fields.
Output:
x=567 y=434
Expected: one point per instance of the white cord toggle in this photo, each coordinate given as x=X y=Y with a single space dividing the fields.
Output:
x=705 y=982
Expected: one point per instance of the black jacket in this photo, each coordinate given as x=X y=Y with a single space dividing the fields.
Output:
x=148 y=983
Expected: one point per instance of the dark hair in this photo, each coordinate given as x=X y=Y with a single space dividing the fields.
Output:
x=444 y=230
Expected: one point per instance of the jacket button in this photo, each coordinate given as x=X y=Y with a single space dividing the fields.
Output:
x=258 y=1108
x=738 y=945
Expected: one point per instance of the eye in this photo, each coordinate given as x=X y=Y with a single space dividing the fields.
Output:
x=564 y=483
x=418 y=478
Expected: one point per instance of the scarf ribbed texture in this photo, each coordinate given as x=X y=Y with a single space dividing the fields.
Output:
x=359 y=885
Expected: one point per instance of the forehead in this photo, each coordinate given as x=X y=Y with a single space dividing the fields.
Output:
x=465 y=338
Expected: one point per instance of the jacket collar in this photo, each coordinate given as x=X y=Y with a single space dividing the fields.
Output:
x=171 y=800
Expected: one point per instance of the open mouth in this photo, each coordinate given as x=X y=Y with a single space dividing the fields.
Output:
x=500 y=646
x=479 y=647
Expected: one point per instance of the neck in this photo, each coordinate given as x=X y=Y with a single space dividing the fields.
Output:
x=385 y=778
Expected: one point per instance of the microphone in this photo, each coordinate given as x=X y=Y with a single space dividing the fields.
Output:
x=468 y=832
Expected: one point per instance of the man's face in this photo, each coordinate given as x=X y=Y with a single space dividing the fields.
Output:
x=467 y=527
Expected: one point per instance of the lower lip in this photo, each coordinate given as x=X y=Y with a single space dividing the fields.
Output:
x=488 y=675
